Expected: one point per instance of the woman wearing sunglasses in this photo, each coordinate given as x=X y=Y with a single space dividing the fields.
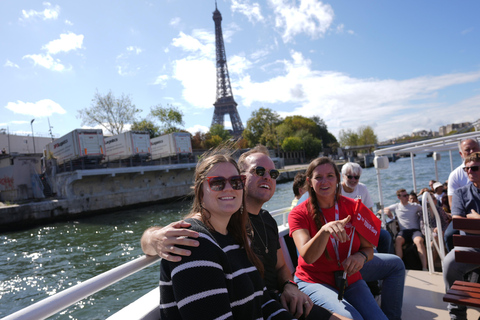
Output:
x=221 y=278
x=323 y=235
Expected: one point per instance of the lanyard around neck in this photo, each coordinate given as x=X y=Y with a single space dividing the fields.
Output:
x=335 y=242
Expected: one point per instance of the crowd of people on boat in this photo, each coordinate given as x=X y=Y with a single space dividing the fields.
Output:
x=224 y=261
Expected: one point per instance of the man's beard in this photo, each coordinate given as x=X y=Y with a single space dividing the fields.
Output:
x=349 y=185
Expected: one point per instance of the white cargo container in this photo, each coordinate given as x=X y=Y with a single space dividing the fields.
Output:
x=126 y=145
x=172 y=144
x=77 y=144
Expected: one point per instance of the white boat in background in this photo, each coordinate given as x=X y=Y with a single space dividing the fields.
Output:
x=423 y=294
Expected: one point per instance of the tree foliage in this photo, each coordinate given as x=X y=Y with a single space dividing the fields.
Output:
x=170 y=118
x=292 y=144
x=148 y=126
x=109 y=112
x=365 y=135
x=219 y=130
x=262 y=120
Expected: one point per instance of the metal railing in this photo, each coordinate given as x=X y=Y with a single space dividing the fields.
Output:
x=68 y=297
x=428 y=205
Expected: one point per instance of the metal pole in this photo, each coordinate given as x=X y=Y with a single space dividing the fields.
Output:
x=33 y=136
x=413 y=173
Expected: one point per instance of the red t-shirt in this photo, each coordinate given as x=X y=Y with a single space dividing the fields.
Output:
x=321 y=271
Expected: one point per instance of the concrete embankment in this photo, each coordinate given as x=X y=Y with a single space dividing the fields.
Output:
x=87 y=192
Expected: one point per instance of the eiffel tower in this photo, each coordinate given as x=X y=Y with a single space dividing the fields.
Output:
x=225 y=103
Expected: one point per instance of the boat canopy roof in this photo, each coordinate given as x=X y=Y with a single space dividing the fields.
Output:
x=447 y=143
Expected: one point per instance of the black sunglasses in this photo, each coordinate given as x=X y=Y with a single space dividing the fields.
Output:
x=218 y=183
x=353 y=177
x=473 y=168
x=404 y=195
x=260 y=171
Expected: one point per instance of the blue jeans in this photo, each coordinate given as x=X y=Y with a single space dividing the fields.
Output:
x=448 y=236
x=452 y=271
x=385 y=242
x=358 y=303
x=391 y=270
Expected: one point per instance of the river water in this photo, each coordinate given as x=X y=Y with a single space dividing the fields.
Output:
x=41 y=261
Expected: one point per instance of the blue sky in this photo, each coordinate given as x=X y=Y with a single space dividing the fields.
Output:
x=398 y=66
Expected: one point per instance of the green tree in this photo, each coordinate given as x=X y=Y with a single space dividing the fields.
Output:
x=328 y=139
x=170 y=117
x=292 y=144
x=212 y=142
x=148 y=126
x=261 y=120
x=366 y=135
x=348 y=138
x=109 y=112
x=219 y=130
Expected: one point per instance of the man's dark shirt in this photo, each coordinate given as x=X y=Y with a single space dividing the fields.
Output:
x=269 y=259
x=465 y=199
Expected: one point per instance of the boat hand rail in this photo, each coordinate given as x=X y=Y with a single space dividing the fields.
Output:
x=427 y=199
x=56 y=303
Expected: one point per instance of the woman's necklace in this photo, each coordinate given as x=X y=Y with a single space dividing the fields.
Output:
x=259 y=236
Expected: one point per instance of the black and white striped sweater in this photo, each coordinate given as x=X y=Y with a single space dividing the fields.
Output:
x=217 y=281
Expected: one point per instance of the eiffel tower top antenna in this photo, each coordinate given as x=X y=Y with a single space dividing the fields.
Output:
x=225 y=104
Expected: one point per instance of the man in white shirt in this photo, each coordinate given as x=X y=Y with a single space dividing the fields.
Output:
x=410 y=221
x=353 y=188
x=457 y=179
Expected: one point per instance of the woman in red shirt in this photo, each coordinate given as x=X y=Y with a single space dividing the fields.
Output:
x=322 y=233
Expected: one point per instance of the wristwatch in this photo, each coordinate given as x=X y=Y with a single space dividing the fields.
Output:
x=289 y=282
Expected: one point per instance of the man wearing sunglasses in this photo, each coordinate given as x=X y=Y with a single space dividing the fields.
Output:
x=410 y=221
x=457 y=179
x=260 y=185
x=465 y=203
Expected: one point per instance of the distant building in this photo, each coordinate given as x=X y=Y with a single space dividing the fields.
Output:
x=444 y=130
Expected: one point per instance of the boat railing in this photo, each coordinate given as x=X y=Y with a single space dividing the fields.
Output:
x=428 y=206
x=60 y=301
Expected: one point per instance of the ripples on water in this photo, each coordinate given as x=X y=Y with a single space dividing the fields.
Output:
x=42 y=261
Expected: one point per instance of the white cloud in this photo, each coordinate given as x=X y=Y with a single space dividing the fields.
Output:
x=161 y=80
x=68 y=23
x=346 y=102
x=135 y=49
x=311 y=17
x=201 y=43
x=42 y=108
x=175 y=22
x=197 y=128
x=9 y=63
x=46 y=61
x=49 y=13
x=251 y=11
x=67 y=42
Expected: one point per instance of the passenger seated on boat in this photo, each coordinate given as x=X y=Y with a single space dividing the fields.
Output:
x=220 y=278
x=298 y=187
x=171 y=242
x=410 y=221
x=321 y=230
x=457 y=179
x=465 y=203
x=413 y=198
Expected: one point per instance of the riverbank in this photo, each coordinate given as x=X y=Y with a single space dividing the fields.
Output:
x=90 y=192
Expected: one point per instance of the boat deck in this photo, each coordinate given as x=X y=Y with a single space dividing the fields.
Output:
x=423 y=297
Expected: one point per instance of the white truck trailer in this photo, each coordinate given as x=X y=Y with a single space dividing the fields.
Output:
x=77 y=144
x=172 y=144
x=127 y=145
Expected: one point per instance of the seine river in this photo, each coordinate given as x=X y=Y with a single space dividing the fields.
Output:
x=42 y=261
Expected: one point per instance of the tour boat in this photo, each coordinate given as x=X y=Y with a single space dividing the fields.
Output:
x=423 y=293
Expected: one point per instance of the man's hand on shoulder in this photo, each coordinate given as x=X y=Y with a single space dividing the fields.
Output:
x=163 y=241
x=295 y=300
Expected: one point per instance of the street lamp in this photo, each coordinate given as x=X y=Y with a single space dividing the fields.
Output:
x=31 y=124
